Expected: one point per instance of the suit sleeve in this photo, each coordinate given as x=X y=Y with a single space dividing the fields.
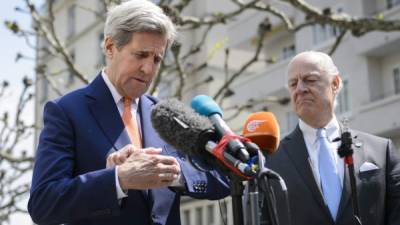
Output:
x=393 y=185
x=57 y=195
x=207 y=184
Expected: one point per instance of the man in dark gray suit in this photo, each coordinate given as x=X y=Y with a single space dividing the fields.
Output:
x=316 y=177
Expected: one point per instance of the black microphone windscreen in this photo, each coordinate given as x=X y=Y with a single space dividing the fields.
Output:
x=181 y=127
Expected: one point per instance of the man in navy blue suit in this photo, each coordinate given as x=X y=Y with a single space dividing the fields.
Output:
x=99 y=160
x=317 y=180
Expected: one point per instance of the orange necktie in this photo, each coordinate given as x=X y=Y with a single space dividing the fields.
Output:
x=131 y=124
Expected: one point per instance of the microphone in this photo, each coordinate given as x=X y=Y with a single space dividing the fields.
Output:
x=193 y=135
x=262 y=128
x=206 y=106
x=346 y=151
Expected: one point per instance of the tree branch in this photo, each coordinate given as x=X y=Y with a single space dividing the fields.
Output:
x=337 y=42
x=52 y=38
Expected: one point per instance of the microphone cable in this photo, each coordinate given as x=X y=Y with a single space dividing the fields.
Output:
x=263 y=175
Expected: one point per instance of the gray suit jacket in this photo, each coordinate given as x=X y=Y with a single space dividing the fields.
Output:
x=378 y=190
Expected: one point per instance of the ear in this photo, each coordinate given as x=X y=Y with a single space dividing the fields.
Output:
x=109 y=47
x=336 y=82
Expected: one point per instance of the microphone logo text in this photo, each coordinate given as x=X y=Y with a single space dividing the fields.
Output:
x=254 y=125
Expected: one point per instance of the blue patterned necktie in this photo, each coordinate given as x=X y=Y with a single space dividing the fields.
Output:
x=330 y=181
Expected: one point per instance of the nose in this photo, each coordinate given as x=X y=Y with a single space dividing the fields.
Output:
x=301 y=87
x=147 y=66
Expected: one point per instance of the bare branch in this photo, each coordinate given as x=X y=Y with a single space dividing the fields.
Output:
x=90 y=10
x=337 y=42
x=52 y=83
x=51 y=36
x=195 y=49
x=358 y=27
x=217 y=18
x=259 y=45
x=180 y=72
x=158 y=78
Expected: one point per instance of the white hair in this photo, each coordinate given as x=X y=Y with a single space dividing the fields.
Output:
x=137 y=16
x=324 y=63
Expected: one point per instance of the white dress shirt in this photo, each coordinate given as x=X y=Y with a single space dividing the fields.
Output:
x=312 y=144
x=118 y=99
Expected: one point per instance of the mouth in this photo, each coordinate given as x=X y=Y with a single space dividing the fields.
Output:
x=140 y=80
x=302 y=101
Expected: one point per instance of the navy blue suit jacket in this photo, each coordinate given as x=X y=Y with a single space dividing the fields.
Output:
x=378 y=190
x=70 y=183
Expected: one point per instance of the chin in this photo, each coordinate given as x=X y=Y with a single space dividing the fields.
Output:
x=306 y=113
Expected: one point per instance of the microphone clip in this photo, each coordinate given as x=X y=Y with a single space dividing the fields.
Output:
x=345 y=149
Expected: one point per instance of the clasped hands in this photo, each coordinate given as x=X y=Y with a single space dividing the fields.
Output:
x=143 y=168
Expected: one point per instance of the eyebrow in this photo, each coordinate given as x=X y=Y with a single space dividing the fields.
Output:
x=161 y=54
x=307 y=75
x=292 y=80
x=303 y=76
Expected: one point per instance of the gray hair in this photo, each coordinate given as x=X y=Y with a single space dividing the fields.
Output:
x=325 y=64
x=323 y=61
x=137 y=16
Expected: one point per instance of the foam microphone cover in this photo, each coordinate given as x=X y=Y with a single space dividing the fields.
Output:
x=262 y=128
x=181 y=127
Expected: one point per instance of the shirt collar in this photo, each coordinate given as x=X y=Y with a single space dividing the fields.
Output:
x=309 y=133
x=116 y=96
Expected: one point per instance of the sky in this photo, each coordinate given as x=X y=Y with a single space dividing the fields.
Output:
x=10 y=44
x=13 y=71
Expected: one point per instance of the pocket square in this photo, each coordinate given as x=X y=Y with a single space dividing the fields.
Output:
x=367 y=166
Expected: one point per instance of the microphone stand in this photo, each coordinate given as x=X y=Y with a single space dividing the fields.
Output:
x=252 y=210
x=270 y=198
x=345 y=151
x=236 y=194
x=252 y=203
x=237 y=188
x=265 y=186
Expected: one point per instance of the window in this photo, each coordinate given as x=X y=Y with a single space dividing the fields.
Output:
x=224 y=211
x=71 y=74
x=396 y=78
x=318 y=34
x=323 y=32
x=186 y=217
x=392 y=3
x=343 y=98
x=199 y=216
x=101 y=60
x=288 y=52
x=291 y=121
x=71 y=21
x=210 y=215
x=102 y=7
x=44 y=89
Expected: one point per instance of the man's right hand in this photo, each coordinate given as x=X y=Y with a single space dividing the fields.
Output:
x=120 y=156
x=146 y=169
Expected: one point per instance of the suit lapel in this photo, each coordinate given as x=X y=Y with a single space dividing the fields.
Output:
x=161 y=199
x=150 y=136
x=346 y=192
x=104 y=110
x=298 y=153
